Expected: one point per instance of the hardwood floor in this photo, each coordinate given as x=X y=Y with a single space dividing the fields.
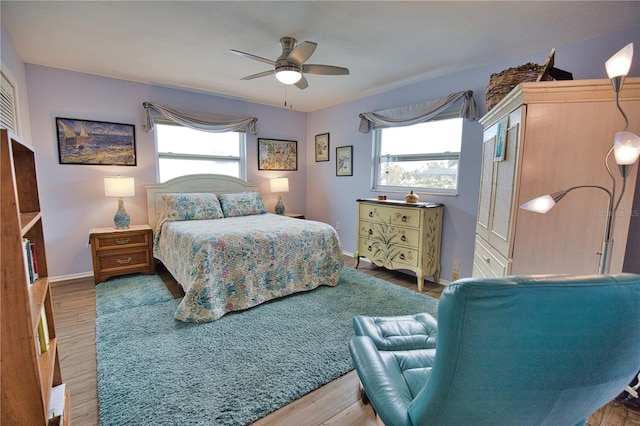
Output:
x=336 y=403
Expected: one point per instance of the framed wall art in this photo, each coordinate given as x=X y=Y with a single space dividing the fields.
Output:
x=95 y=142
x=276 y=154
x=322 y=147
x=344 y=160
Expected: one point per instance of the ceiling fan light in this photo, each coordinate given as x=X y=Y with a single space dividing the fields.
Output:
x=288 y=74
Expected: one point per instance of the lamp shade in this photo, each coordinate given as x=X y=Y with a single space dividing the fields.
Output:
x=626 y=148
x=279 y=185
x=542 y=204
x=119 y=186
x=620 y=63
x=288 y=74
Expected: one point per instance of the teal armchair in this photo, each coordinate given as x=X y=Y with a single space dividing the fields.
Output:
x=528 y=350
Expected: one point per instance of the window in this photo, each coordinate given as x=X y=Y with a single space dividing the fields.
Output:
x=421 y=157
x=185 y=151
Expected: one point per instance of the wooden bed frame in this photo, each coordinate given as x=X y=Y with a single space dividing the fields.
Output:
x=217 y=184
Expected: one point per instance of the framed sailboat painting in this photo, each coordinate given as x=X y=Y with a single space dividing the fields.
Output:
x=95 y=142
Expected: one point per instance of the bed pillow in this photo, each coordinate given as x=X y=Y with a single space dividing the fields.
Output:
x=192 y=206
x=242 y=204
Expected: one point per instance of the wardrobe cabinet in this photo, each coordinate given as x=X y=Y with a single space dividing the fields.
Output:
x=542 y=138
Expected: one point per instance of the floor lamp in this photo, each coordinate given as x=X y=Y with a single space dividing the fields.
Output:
x=625 y=149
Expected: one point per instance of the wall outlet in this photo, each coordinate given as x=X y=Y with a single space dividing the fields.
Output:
x=456 y=265
x=337 y=226
x=455 y=270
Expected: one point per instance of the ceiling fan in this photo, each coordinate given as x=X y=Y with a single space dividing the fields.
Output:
x=290 y=66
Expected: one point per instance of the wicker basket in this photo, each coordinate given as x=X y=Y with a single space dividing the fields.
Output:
x=500 y=84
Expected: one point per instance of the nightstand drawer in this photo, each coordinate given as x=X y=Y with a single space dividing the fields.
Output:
x=121 y=252
x=127 y=240
x=124 y=260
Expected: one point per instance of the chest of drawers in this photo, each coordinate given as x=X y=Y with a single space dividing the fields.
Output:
x=399 y=235
x=120 y=252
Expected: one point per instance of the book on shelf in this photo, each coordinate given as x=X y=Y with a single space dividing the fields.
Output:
x=43 y=332
x=56 y=405
x=27 y=259
x=34 y=261
x=30 y=260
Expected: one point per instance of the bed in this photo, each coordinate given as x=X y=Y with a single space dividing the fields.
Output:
x=215 y=237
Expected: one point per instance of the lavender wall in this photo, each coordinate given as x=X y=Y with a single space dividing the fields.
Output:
x=72 y=196
x=332 y=199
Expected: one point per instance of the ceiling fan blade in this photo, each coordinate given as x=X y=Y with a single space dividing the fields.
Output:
x=258 y=75
x=254 y=57
x=302 y=83
x=302 y=52
x=324 y=69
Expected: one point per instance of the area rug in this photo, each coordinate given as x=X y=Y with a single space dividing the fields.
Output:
x=155 y=370
x=121 y=293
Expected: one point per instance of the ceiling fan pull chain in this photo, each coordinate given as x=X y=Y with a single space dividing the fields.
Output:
x=285 y=98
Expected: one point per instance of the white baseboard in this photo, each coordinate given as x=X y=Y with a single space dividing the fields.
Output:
x=71 y=276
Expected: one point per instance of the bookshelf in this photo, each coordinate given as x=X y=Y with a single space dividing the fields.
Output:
x=28 y=373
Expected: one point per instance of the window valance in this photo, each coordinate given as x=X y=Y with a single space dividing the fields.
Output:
x=418 y=113
x=208 y=122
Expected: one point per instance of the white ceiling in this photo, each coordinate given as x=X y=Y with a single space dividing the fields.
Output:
x=385 y=44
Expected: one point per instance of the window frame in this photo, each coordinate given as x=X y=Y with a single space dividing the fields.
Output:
x=242 y=158
x=377 y=161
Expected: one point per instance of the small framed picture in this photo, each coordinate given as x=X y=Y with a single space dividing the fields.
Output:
x=95 y=142
x=322 y=147
x=277 y=154
x=501 y=140
x=344 y=160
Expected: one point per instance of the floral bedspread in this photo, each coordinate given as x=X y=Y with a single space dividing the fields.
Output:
x=235 y=263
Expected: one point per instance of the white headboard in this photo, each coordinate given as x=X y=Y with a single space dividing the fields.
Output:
x=217 y=184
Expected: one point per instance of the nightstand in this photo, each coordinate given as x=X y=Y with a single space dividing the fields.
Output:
x=121 y=251
x=294 y=215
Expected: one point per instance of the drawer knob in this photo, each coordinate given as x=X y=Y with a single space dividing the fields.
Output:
x=370 y=231
x=401 y=256
x=403 y=238
x=123 y=241
x=370 y=214
x=369 y=248
x=486 y=259
x=404 y=218
x=124 y=261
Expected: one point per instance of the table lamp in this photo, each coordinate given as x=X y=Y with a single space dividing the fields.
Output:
x=120 y=186
x=279 y=185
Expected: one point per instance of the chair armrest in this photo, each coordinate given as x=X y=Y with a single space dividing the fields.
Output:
x=382 y=380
